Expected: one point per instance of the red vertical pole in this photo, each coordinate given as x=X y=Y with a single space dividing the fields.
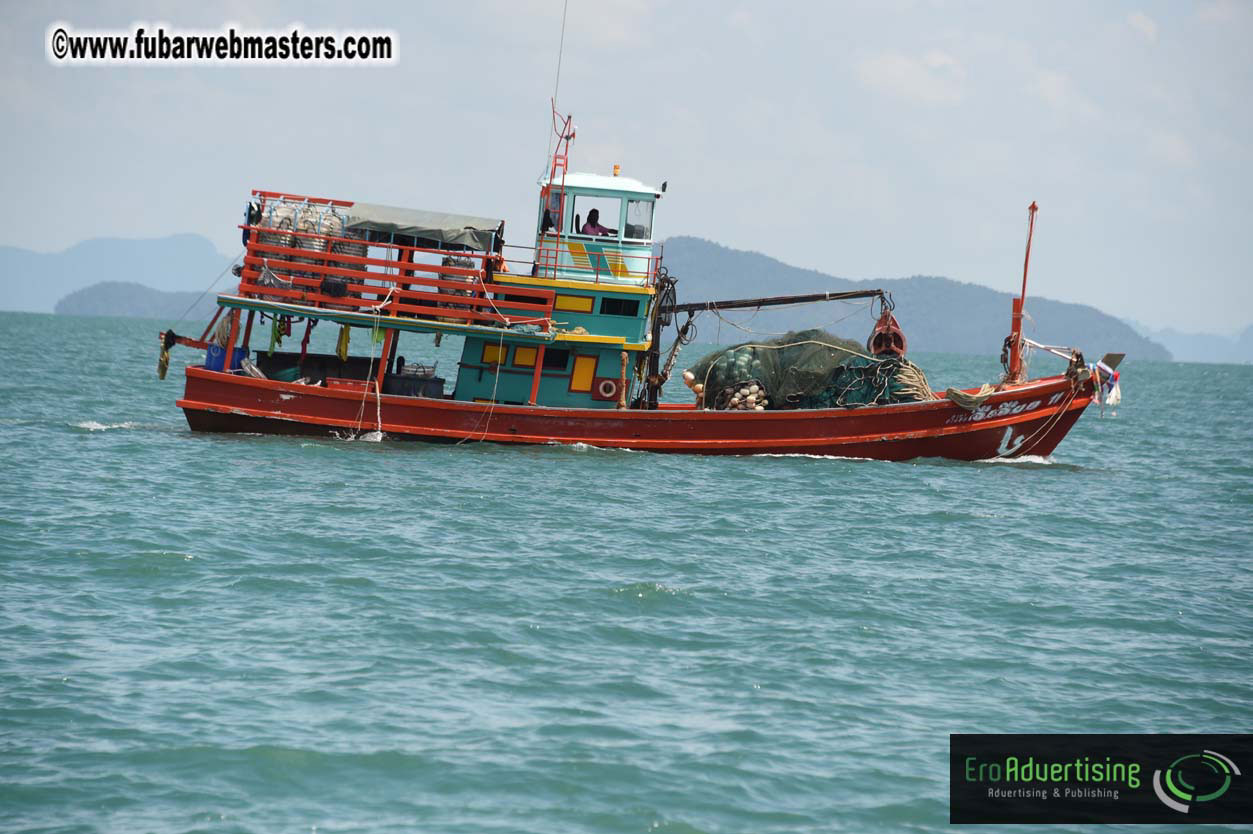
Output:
x=539 y=367
x=248 y=329
x=1015 y=331
x=1026 y=261
x=212 y=321
x=388 y=337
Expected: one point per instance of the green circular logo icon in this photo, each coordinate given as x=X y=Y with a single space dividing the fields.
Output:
x=1196 y=777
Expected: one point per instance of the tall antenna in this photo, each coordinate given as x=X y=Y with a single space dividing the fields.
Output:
x=561 y=48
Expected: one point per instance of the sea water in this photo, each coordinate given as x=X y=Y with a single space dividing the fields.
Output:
x=241 y=633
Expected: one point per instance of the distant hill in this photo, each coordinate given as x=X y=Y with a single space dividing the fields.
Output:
x=125 y=298
x=35 y=281
x=160 y=278
x=937 y=314
x=1202 y=347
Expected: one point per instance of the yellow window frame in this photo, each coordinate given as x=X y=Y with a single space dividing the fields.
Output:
x=583 y=374
x=524 y=357
x=494 y=354
x=574 y=303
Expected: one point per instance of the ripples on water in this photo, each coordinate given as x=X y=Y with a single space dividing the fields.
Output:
x=223 y=633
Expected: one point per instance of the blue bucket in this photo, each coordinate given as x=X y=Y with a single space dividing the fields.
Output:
x=213 y=358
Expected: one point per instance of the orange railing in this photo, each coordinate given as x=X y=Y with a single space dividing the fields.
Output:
x=344 y=272
x=397 y=284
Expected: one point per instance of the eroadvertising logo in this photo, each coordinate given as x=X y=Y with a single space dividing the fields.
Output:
x=1211 y=771
x=1100 y=778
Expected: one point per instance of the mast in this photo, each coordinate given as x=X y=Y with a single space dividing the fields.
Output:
x=1014 y=372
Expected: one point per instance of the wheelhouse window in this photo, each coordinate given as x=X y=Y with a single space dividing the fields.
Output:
x=595 y=216
x=550 y=210
x=619 y=307
x=639 y=220
x=556 y=359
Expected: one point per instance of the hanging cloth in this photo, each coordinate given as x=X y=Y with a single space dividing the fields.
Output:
x=276 y=336
x=341 y=347
x=304 y=343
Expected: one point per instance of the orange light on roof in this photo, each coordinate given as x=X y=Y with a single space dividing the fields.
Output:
x=617 y=169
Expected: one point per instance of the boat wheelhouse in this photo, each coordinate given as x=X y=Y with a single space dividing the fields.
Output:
x=603 y=284
x=563 y=323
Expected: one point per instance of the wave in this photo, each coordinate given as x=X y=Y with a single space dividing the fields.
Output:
x=588 y=447
x=805 y=455
x=93 y=425
x=1037 y=460
x=350 y=436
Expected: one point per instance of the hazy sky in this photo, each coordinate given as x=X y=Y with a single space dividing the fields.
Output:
x=866 y=140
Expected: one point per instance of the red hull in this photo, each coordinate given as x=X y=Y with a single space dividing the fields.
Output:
x=1030 y=419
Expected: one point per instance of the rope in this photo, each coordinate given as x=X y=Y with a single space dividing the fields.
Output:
x=827 y=325
x=369 y=372
x=970 y=402
x=913 y=381
x=1025 y=446
x=485 y=419
x=668 y=367
x=561 y=48
x=377 y=308
x=206 y=290
x=222 y=332
x=508 y=322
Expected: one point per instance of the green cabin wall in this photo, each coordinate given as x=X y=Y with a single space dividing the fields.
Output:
x=477 y=380
x=632 y=328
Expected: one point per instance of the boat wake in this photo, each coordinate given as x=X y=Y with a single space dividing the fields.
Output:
x=92 y=425
x=1025 y=462
x=806 y=455
x=366 y=437
x=588 y=447
x=1036 y=460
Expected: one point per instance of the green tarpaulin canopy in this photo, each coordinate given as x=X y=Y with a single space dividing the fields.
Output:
x=428 y=228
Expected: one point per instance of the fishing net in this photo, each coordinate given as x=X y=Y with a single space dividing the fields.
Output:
x=881 y=380
x=805 y=369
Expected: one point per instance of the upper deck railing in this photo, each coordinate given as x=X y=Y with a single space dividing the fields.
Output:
x=301 y=252
x=341 y=271
x=584 y=258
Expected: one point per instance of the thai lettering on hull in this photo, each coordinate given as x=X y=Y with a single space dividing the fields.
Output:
x=991 y=412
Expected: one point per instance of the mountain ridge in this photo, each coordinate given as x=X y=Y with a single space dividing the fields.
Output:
x=172 y=263
x=162 y=277
x=127 y=298
x=937 y=314
x=1201 y=347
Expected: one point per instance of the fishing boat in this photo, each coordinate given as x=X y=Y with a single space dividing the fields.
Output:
x=562 y=340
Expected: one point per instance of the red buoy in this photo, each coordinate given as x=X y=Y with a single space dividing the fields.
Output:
x=887 y=336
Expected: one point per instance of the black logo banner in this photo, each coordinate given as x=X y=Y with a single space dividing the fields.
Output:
x=1194 y=778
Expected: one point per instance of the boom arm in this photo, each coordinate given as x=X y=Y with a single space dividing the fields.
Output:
x=770 y=301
